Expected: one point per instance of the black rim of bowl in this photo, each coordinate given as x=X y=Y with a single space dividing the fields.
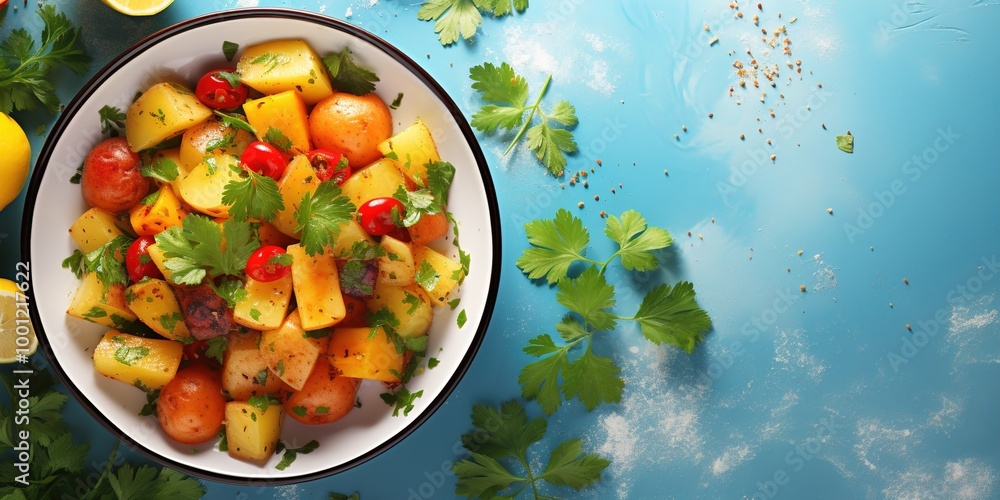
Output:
x=73 y=107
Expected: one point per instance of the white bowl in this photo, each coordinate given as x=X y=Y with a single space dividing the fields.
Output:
x=182 y=53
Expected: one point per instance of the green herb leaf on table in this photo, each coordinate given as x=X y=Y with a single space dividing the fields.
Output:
x=256 y=196
x=340 y=496
x=846 y=143
x=24 y=73
x=636 y=240
x=347 y=75
x=320 y=216
x=672 y=315
x=462 y=18
x=556 y=244
x=508 y=94
x=505 y=434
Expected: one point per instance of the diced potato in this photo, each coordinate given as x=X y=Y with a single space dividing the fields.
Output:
x=357 y=356
x=449 y=273
x=378 y=180
x=351 y=232
x=252 y=434
x=212 y=137
x=317 y=288
x=298 y=179
x=266 y=304
x=166 y=211
x=285 y=112
x=414 y=149
x=136 y=360
x=154 y=302
x=202 y=188
x=95 y=228
x=244 y=371
x=156 y=255
x=410 y=304
x=289 y=352
x=269 y=235
x=165 y=110
x=428 y=228
x=281 y=65
x=92 y=302
x=397 y=267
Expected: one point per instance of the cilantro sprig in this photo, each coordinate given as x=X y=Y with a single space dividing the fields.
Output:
x=25 y=66
x=254 y=196
x=196 y=250
x=112 y=120
x=320 y=216
x=508 y=94
x=431 y=195
x=667 y=314
x=506 y=433
x=106 y=260
x=455 y=18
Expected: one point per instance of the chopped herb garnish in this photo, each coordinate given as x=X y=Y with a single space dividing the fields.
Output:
x=229 y=49
x=347 y=75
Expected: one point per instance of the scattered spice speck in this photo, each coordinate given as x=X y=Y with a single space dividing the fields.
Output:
x=906 y=282
x=802 y=288
x=800 y=252
x=579 y=205
x=909 y=327
x=829 y=211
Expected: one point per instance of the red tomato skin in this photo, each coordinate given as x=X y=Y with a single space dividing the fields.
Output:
x=137 y=269
x=375 y=215
x=327 y=163
x=260 y=268
x=264 y=159
x=217 y=93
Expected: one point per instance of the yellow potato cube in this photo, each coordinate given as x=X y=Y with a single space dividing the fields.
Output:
x=298 y=179
x=136 y=360
x=449 y=273
x=378 y=180
x=164 y=111
x=251 y=433
x=156 y=255
x=397 y=267
x=317 y=288
x=154 y=302
x=356 y=355
x=244 y=370
x=281 y=65
x=266 y=304
x=212 y=137
x=203 y=187
x=95 y=228
x=409 y=304
x=166 y=211
x=289 y=352
x=94 y=303
x=285 y=112
x=414 y=148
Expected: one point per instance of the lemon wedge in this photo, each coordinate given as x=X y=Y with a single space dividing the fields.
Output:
x=138 y=7
x=15 y=162
x=17 y=336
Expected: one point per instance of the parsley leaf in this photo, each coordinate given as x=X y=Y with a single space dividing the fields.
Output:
x=456 y=18
x=846 y=143
x=76 y=263
x=107 y=261
x=25 y=67
x=636 y=240
x=556 y=244
x=402 y=399
x=320 y=216
x=426 y=276
x=112 y=120
x=254 y=197
x=672 y=315
x=229 y=49
x=347 y=75
x=215 y=347
x=231 y=290
x=431 y=197
x=127 y=355
x=291 y=453
x=162 y=169
x=235 y=121
x=277 y=139
x=508 y=94
x=505 y=434
x=196 y=250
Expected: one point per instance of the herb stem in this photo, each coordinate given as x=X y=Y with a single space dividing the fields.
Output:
x=107 y=469
x=527 y=468
x=534 y=109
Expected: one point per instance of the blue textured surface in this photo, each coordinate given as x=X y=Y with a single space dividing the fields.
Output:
x=823 y=394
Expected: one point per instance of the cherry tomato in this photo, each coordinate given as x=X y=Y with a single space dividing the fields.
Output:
x=195 y=350
x=330 y=164
x=264 y=159
x=216 y=92
x=138 y=262
x=263 y=265
x=376 y=215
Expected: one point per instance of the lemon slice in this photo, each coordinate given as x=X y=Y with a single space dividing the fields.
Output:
x=11 y=340
x=138 y=7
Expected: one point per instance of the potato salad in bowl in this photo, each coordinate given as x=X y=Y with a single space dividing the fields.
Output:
x=265 y=258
